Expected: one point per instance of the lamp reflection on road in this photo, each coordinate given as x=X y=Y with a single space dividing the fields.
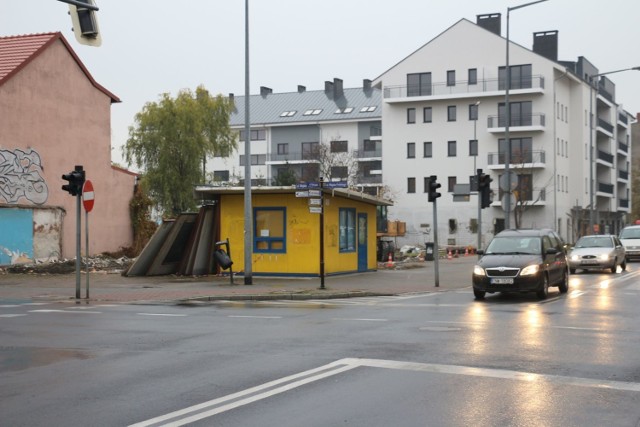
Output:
x=531 y=323
x=477 y=318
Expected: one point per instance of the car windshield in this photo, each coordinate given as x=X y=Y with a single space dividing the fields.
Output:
x=594 y=242
x=630 y=233
x=514 y=245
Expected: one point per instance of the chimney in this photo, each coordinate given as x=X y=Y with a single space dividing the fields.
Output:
x=264 y=91
x=301 y=89
x=232 y=98
x=490 y=22
x=545 y=43
x=366 y=84
x=338 y=91
x=328 y=87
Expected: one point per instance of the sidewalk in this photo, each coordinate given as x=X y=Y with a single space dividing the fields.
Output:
x=113 y=287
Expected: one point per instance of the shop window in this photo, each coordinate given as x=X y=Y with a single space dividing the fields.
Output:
x=269 y=230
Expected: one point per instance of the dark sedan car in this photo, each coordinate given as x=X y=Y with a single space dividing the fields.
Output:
x=522 y=261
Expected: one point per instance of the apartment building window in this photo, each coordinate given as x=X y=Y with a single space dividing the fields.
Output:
x=427 y=148
x=347 y=229
x=451 y=78
x=369 y=145
x=339 y=146
x=411 y=150
x=520 y=77
x=451 y=113
x=283 y=148
x=521 y=114
x=256 y=135
x=473 y=76
x=411 y=115
x=451 y=183
x=426 y=114
x=256 y=159
x=473 y=111
x=310 y=150
x=341 y=172
x=411 y=185
x=419 y=84
x=221 y=176
x=521 y=150
x=451 y=148
x=473 y=147
x=269 y=230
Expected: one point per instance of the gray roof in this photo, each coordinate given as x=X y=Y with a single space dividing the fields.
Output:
x=268 y=107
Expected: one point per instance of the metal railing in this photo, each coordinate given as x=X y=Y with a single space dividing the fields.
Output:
x=623 y=118
x=603 y=187
x=499 y=121
x=499 y=158
x=463 y=87
x=623 y=147
x=293 y=156
x=607 y=157
x=363 y=154
x=623 y=174
x=605 y=125
x=623 y=203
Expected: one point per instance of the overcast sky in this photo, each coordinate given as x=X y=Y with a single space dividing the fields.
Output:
x=155 y=46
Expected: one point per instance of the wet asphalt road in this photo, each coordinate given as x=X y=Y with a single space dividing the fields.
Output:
x=438 y=359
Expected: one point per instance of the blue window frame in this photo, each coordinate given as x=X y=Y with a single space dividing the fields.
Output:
x=269 y=230
x=347 y=226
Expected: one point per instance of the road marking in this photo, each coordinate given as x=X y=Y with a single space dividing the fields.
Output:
x=65 y=311
x=256 y=317
x=254 y=394
x=162 y=314
x=360 y=320
x=9 y=305
x=35 y=303
x=12 y=315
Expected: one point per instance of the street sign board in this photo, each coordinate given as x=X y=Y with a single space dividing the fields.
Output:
x=335 y=184
x=315 y=209
x=88 y=195
x=510 y=199
x=315 y=202
x=302 y=194
x=509 y=182
x=315 y=193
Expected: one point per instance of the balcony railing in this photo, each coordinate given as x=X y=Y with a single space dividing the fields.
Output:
x=293 y=156
x=499 y=158
x=623 y=118
x=373 y=179
x=375 y=131
x=623 y=174
x=605 y=125
x=365 y=154
x=623 y=147
x=535 y=119
x=605 y=188
x=623 y=203
x=460 y=88
x=607 y=157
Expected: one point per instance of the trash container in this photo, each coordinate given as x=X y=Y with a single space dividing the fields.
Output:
x=222 y=259
x=428 y=256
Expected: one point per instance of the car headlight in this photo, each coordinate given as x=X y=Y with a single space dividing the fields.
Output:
x=604 y=257
x=530 y=270
x=575 y=257
x=478 y=271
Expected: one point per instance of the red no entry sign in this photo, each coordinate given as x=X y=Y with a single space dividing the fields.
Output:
x=88 y=196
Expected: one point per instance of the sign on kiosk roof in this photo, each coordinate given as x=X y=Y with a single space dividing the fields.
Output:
x=88 y=196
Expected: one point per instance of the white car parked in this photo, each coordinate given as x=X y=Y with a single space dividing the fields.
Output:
x=630 y=238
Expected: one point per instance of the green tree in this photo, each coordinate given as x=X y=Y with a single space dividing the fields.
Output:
x=170 y=140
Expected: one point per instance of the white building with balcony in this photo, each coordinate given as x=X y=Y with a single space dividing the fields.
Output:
x=287 y=130
x=443 y=114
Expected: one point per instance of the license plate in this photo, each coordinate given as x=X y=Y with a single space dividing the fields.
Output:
x=589 y=262
x=502 y=281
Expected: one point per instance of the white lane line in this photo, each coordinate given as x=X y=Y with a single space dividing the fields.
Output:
x=359 y=320
x=65 y=311
x=162 y=314
x=35 y=303
x=255 y=317
x=256 y=393
x=9 y=305
x=12 y=315
x=578 y=328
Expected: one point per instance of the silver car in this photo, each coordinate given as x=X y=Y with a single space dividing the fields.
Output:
x=597 y=252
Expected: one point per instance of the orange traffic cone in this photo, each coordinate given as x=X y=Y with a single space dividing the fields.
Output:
x=449 y=255
x=466 y=251
x=389 y=261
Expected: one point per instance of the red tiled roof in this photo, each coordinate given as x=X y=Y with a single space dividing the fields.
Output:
x=17 y=51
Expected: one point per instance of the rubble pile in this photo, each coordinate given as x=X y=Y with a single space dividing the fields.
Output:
x=98 y=263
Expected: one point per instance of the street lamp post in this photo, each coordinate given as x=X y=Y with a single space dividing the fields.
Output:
x=592 y=91
x=248 y=221
x=507 y=208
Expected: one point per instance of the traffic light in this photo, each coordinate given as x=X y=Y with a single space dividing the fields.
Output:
x=85 y=24
x=484 y=189
x=433 y=188
x=76 y=181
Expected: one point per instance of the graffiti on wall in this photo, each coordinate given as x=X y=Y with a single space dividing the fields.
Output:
x=21 y=177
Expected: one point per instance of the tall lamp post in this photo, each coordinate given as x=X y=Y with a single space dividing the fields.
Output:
x=475 y=139
x=592 y=207
x=507 y=208
x=248 y=217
